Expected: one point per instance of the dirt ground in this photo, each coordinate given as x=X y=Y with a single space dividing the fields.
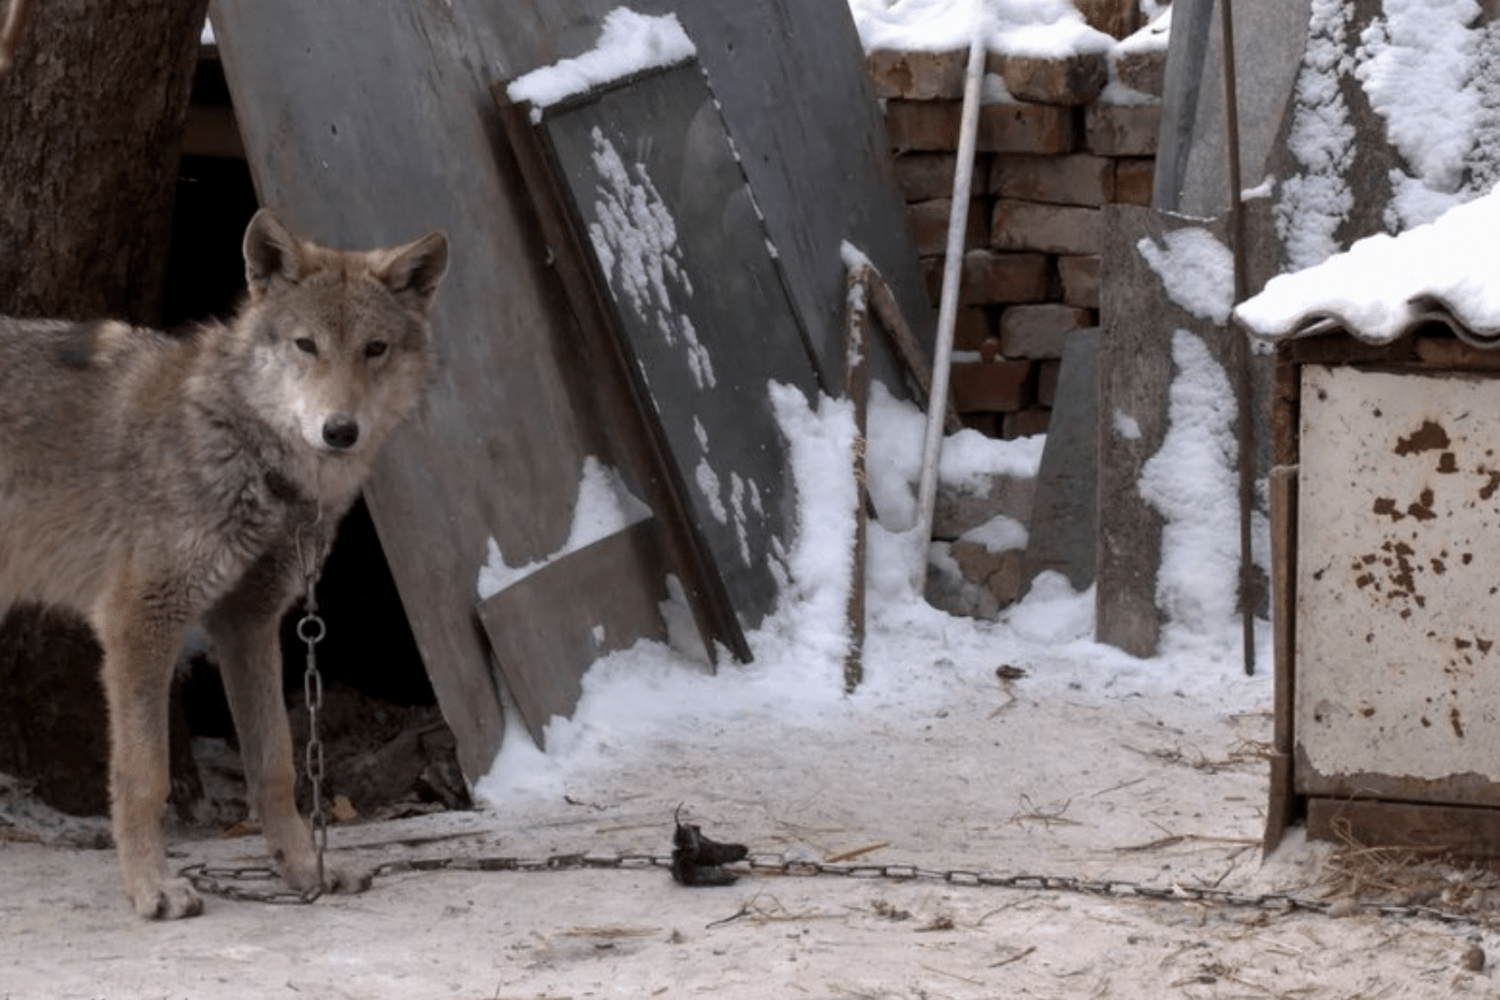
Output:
x=1077 y=779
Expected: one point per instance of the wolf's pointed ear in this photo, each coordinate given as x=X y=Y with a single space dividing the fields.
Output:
x=270 y=251
x=416 y=269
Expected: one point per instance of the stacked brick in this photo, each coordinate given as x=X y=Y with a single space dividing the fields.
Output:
x=1047 y=160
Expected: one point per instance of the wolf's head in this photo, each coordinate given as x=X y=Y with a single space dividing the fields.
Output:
x=336 y=343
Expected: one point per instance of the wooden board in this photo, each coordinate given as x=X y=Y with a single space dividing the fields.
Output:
x=790 y=76
x=604 y=615
x=368 y=124
x=371 y=136
x=697 y=300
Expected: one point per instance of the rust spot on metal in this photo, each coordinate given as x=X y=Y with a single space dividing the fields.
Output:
x=1422 y=509
x=1456 y=721
x=1429 y=437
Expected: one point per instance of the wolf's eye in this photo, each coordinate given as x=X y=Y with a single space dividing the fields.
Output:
x=375 y=348
x=307 y=345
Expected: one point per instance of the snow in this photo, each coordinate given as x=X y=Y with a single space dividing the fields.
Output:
x=1015 y=27
x=1427 y=69
x=603 y=507
x=1371 y=286
x=1196 y=270
x=629 y=43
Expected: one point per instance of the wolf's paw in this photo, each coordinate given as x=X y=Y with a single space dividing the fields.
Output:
x=170 y=899
x=337 y=877
x=346 y=879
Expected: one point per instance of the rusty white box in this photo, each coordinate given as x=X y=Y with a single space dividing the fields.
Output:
x=1397 y=644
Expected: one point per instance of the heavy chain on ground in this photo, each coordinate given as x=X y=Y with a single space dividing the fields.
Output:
x=238 y=882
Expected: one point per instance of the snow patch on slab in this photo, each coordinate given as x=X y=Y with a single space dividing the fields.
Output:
x=605 y=506
x=629 y=43
x=1196 y=270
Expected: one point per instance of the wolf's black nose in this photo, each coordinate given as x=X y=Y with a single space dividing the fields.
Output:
x=340 y=432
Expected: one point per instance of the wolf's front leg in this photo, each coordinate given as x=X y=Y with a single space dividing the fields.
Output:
x=139 y=655
x=244 y=631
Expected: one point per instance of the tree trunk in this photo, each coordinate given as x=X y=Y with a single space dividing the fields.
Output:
x=90 y=123
x=91 y=119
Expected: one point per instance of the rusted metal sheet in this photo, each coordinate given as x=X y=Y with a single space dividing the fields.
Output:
x=1282 y=803
x=1397 y=644
x=1463 y=831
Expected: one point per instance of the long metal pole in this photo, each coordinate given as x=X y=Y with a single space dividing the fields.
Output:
x=1239 y=352
x=942 y=359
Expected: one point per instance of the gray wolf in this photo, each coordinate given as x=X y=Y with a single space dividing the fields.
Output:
x=150 y=481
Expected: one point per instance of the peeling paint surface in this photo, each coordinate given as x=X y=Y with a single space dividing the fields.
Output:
x=1398 y=574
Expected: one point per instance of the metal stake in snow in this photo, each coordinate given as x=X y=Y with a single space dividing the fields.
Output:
x=937 y=399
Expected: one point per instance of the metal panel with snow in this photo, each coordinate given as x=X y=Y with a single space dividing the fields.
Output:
x=657 y=193
x=1387 y=539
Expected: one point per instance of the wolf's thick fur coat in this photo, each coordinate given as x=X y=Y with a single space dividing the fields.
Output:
x=150 y=481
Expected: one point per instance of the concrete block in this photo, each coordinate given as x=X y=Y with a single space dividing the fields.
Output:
x=1116 y=18
x=923 y=125
x=990 y=277
x=1080 y=281
x=1067 y=80
x=1121 y=129
x=948 y=589
x=1020 y=127
x=1040 y=330
x=973 y=328
x=1134 y=177
x=962 y=509
x=997 y=572
x=927 y=221
x=1046 y=382
x=1025 y=423
x=1142 y=70
x=925 y=176
x=992 y=386
x=1073 y=179
x=918 y=75
x=1059 y=229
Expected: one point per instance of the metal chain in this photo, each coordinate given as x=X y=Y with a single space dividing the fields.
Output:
x=311 y=629
x=220 y=881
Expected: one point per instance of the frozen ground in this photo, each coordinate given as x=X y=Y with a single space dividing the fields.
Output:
x=1088 y=769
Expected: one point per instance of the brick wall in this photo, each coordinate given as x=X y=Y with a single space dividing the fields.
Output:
x=1046 y=162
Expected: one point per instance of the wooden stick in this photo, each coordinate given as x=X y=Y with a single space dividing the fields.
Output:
x=10 y=32
x=857 y=388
